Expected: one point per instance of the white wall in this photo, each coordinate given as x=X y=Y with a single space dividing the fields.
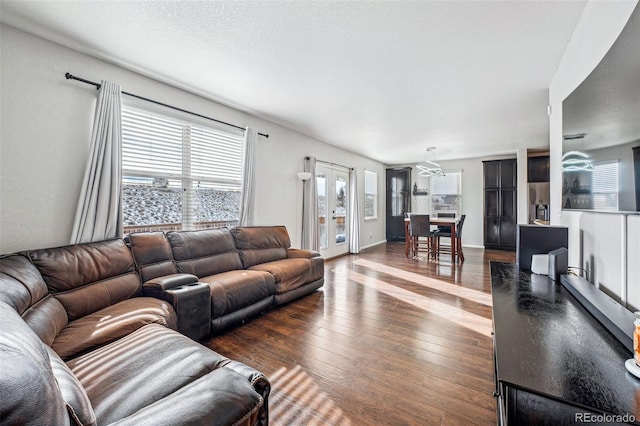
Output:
x=633 y=266
x=523 y=187
x=597 y=238
x=46 y=126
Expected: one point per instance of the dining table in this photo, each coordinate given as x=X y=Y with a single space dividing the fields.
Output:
x=438 y=221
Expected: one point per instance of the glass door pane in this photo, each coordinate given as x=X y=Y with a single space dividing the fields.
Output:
x=341 y=209
x=323 y=208
x=333 y=207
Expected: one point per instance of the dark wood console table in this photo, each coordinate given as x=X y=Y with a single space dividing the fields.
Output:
x=555 y=363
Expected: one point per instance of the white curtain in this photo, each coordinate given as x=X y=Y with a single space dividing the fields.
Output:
x=310 y=232
x=99 y=211
x=247 y=197
x=354 y=213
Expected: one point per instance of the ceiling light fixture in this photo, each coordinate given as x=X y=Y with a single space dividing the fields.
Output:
x=576 y=161
x=432 y=168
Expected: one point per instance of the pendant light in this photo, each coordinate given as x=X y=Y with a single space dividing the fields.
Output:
x=576 y=161
x=431 y=168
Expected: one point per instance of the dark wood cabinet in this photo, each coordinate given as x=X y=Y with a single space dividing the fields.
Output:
x=491 y=175
x=500 y=199
x=398 y=196
x=555 y=363
x=538 y=169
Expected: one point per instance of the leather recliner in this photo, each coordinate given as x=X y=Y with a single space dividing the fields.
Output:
x=80 y=344
x=248 y=270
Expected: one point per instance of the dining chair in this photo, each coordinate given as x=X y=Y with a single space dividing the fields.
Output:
x=420 y=234
x=445 y=228
x=437 y=234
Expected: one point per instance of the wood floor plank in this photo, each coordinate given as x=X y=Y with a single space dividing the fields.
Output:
x=386 y=341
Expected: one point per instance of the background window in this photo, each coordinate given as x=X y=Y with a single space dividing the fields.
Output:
x=178 y=174
x=605 y=185
x=370 y=194
x=446 y=193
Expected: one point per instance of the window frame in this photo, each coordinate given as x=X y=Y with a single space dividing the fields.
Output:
x=457 y=194
x=191 y=140
x=374 y=193
x=616 y=182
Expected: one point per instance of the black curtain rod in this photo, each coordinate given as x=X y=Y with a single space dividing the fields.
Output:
x=68 y=76
x=331 y=164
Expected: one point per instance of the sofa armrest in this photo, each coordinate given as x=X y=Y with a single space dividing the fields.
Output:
x=190 y=299
x=297 y=253
x=221 y=397
x=167 y=282
x=260 y=384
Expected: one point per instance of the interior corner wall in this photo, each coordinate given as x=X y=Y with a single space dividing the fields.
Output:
x=45 y=131
x=523 y=187
x=599 y=239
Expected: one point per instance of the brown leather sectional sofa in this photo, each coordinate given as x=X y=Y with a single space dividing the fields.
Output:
x=245 y=271
x=87 y=332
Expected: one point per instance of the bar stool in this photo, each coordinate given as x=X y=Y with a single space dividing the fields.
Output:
x=443 y=228
x=420 y=234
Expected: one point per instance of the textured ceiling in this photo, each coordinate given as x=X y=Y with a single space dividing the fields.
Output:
x=383 y=79
x=605 y=107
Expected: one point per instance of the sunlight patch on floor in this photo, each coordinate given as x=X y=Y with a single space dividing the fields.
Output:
x=447 y=312
x=443 y=286
x=305 y=403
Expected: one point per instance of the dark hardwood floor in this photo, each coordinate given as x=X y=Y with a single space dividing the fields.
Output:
x=386 y=341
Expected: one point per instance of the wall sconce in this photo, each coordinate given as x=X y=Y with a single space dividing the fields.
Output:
x=304 y=176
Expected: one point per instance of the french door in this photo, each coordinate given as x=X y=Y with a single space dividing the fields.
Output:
x=333 y=207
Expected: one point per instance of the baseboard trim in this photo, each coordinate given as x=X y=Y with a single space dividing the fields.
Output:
x=473 y=246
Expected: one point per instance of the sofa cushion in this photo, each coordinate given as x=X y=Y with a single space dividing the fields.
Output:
x=133 y=375
x=21 y=285
x=22 y=288
x=152 y=254
x=234 y=290
x=260 y=244
x=290 y=274
x=204 y=252
x=29 y=394
x=47 y=318
x=73 y=394
x=88 y=277
x=111 y=323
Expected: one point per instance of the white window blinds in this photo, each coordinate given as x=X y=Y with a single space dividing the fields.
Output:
x=216 y=158
x=151 y=145
x=178 y=174
x=605 y=185
x=446 y=194
x=370 y=194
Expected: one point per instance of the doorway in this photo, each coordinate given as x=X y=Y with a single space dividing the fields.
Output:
x=398 y=201
x=333 y=206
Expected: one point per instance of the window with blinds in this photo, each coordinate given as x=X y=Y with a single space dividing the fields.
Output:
x=370 y=194
x=178 y=174
x=446 y=194
x=604 y=185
